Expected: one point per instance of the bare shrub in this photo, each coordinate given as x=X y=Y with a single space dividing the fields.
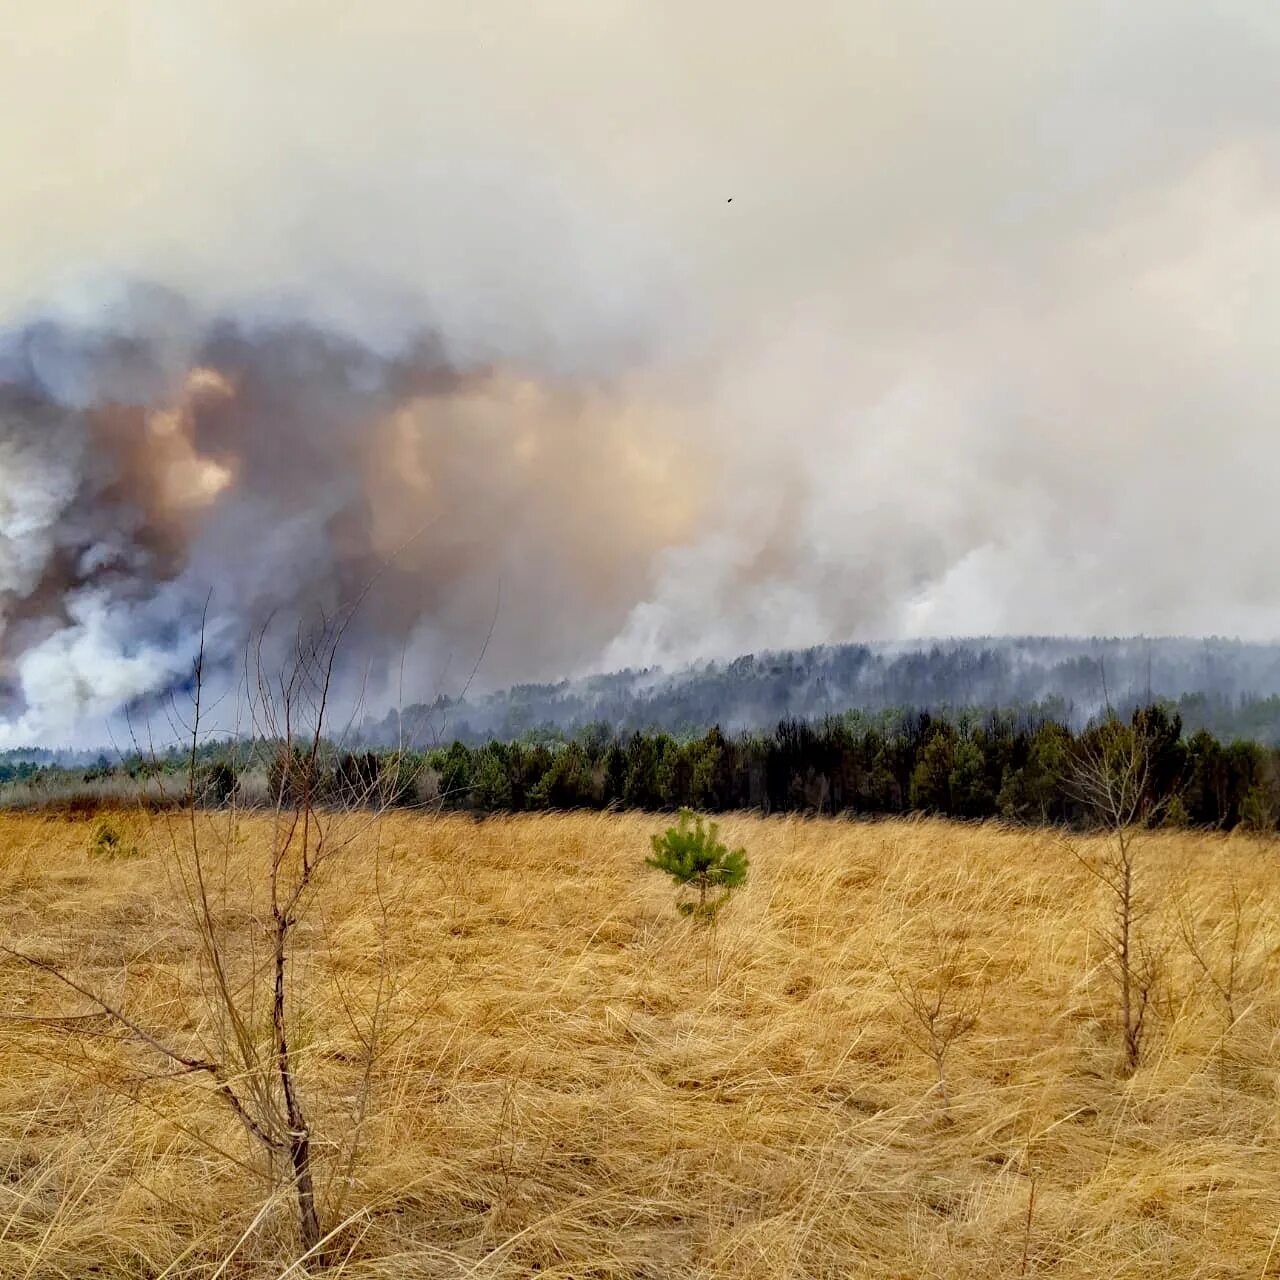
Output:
x=938 y=977
x=1228 y=951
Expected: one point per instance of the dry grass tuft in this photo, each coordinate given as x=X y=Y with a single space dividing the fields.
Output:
x=578 y=1082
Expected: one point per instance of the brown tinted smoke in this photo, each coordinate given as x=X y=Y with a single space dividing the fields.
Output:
x=284 y=469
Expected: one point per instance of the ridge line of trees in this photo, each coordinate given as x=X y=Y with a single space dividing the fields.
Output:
x=1013 y=766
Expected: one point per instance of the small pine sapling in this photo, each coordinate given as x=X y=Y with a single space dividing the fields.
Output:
x=695 y=857
x=109 y=845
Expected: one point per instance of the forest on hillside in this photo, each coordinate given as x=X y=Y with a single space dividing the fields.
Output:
x=1229 y=687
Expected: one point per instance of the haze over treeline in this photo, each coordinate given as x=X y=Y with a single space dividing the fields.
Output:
x=1224 y=685
x=456 y=303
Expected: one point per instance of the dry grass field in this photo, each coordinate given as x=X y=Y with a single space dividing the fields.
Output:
x=570 y=1079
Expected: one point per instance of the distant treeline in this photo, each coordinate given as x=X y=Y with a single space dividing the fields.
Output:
x=1229 y=687
x=1017 y=766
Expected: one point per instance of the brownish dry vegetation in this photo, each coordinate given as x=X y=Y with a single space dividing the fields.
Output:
x=573 y=1080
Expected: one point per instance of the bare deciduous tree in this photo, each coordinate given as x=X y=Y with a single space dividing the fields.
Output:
x=1111 y=779
x=250 y=1060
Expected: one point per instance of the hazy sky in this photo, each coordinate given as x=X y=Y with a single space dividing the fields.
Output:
x=986 y=340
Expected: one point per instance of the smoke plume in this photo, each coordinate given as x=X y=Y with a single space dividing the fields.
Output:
x=166 y=461
x=459 y=302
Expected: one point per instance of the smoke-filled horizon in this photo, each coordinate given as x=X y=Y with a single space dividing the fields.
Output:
x=615 y=334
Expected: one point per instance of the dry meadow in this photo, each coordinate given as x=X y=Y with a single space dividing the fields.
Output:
x=517 y=1058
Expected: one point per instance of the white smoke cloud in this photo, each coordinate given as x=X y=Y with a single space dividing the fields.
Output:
x=87 y=670
x=40 y=475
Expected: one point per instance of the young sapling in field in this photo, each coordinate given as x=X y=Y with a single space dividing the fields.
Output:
x=695 y=857
x=109 y=844
x=1112 y=781
x=941 y=999
x=1230 y=956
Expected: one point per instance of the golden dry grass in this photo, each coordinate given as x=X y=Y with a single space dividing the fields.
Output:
x=578 y=1082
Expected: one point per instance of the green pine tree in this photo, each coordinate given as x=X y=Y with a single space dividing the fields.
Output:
x=694 y=856
x=1176 y=817
x=1256 y=812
